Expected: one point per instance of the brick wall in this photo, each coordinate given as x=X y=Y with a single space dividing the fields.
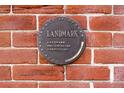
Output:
x=101 y=65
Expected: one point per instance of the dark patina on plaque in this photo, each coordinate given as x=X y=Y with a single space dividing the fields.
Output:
x=61 y=40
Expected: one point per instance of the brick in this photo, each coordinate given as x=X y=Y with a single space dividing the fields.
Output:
x=43 y=60
x=64 y=85
x=5 y=39
x=18 y=56
x=81 y=9
x=118 y=40
x=118 y=9
x=85 y=58
x=5 y=73
x=18 y=85
x=38 y=9
x=109 y=56
x=119 y=73
x=80 y=19
x=87 y=73
x=108 y=85
x=17 y=23
x=25 y=39
x=96 y=39
x=38 y=73
x=112 y=23
x=4 y=8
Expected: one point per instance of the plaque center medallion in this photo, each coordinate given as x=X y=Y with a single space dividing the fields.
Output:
x=61 y=40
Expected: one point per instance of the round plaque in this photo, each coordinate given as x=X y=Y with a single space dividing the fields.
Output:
x=61 y=40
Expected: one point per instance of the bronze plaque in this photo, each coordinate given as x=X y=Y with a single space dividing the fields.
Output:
x=61 y=40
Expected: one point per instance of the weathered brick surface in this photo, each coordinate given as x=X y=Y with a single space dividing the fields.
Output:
x=119 y=73
x=5 y=39
x=96 y=39
x=25 y=39
x=38 y=73
x=5 y=73
x=38 y=9
x=112 y=23
x=17 y=23
x=81 y=9
x=64 y=85
x=4 y=8
x=87 y=73
x=108 y=85
x=109 y=56
x=118 y=9
x=18 y=56
x=18 y=85
x=118 y=40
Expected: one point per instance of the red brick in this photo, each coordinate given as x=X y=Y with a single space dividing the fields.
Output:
x=38 y=9
x=81 y=19
x=108 y=85
x=5 y=73
x=118 y=40
x=18 y=85
x=18 y=56
x=118 y=9
x=96 y=39
x=85 y=58
x=17 y=23
x=109 y=56
x=114 y=23
x=64 y=85
x=87 y=73
x=24 y=39
x=5 y=39
x=119 y=73
x=81 y=9
x=4 y=8
x=38 y=73
x=43 y=60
